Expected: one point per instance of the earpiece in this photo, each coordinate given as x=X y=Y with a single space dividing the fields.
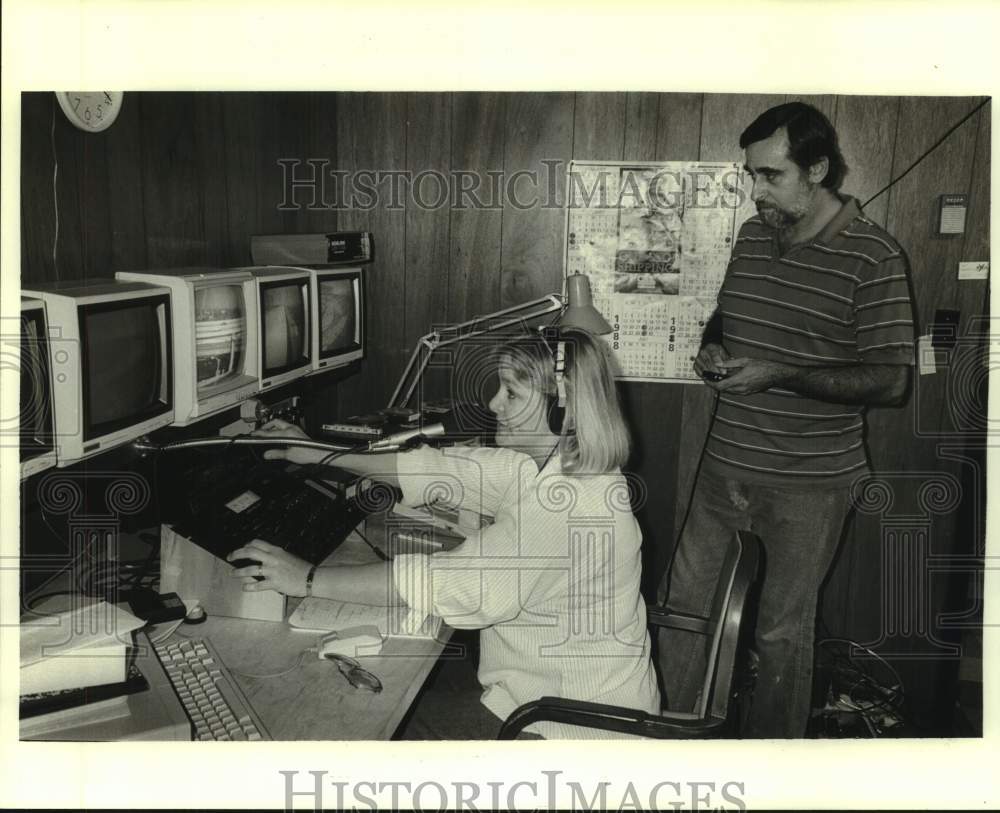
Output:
x=556 y=416
x=556 y=411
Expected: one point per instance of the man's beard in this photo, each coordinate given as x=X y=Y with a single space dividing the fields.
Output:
x=777 y=218
x=784 y=219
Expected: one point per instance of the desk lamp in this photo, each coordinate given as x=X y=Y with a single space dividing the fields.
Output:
x=576 y=308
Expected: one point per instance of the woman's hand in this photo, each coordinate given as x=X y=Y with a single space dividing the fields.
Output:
x=280 y=570
x=277 y=430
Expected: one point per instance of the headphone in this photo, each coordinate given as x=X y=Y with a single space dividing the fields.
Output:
x=557 y=347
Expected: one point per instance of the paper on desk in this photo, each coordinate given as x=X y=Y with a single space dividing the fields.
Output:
x=327 y=615
x=443 y=516
x=97 y=624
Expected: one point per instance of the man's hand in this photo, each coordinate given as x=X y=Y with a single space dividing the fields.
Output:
x=872 y=384
x=711 y=357
x=747 y=376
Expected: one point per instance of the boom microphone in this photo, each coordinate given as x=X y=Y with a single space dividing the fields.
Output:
x=400 y=439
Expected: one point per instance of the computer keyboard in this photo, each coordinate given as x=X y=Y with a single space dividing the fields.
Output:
x=210 y=696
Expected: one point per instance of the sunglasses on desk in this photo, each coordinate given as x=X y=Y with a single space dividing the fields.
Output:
x=356 y=674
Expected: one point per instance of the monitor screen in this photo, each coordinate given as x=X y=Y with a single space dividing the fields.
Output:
x=125 y=363
x=35 y=402
x=338 y=314
x=220 y=334
x=284 y=326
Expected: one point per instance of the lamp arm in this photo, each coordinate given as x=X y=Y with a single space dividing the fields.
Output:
x=427 y=344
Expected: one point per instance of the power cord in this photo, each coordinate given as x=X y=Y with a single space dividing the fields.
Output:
x=298 y=664
x=928 y=151
x=55 y=194
x=854 y=690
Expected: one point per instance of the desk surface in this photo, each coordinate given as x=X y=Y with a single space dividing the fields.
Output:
x=314 y=701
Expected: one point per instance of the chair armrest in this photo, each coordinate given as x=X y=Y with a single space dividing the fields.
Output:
x=658 y=616
x=670 y=725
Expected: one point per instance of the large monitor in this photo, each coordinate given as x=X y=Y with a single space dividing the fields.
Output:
x=216 y=361
x=38 y=451
x=283 y=323
x=111 y=344
x=338 y=315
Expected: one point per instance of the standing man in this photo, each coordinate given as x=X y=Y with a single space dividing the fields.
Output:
x=814 y=322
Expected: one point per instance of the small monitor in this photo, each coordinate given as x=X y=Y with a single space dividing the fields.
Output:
x=38 y=451
x=214 y=337
x=110 y=351
x=284 y=324
x=339 y=316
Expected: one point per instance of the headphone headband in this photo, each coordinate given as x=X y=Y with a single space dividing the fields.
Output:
x=552 y=335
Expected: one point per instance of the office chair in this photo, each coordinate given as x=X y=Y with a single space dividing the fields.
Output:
x=727 y=635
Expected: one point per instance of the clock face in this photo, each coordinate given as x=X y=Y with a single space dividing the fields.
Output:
x=91 y=110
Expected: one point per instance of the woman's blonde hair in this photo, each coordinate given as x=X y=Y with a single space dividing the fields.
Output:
x=593 y=438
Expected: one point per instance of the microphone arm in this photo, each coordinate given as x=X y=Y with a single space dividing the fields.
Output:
x=400 y=439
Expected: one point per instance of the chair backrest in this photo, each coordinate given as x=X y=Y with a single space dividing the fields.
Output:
x=729 y=611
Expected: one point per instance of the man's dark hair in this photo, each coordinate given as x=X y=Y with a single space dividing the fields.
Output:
x=811 y=137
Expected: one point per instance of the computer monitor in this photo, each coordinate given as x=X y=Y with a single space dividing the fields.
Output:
x=338 y=314
x=38 y=451
x=216 y=361
x=283 y=323
x=109 y=346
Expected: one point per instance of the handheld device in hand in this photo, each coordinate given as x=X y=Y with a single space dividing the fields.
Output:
x=708 y=375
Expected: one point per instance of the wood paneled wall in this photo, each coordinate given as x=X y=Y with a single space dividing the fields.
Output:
x=186 y=178
x=179 y=179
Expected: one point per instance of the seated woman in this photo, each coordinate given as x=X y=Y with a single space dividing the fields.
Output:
x=553 y=582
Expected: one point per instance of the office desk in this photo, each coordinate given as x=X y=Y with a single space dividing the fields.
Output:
x=315 y=701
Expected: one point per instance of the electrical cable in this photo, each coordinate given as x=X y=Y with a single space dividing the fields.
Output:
x=241 y=440
x=35 y=600
x=928 y=151
x=867 y=651
x=361 y=448
x=862 y=694
x=298 y=663
x=55 y=196
x=371 y=545
x=160 y=638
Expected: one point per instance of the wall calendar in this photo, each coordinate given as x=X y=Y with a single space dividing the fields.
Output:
x=655 y=240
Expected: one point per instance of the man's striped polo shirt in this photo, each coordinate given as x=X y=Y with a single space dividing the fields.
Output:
x=841 y=299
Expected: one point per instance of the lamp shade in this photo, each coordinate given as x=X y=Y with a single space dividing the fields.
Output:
x=580 y=311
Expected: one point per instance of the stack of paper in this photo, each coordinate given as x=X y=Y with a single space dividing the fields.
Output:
x=75 y=648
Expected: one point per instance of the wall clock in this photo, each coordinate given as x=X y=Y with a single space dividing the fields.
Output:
x=91 y=110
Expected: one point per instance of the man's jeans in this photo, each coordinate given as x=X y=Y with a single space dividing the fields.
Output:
x=800 y=530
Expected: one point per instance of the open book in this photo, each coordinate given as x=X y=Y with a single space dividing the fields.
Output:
x=328 y=615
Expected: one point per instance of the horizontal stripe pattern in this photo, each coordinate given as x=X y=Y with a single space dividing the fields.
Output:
x=553 y=582
x=840 y=300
